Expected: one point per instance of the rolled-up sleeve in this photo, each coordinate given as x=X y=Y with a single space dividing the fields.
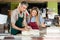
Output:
x=13 y=18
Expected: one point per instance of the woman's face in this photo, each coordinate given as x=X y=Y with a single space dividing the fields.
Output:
x=34 y=13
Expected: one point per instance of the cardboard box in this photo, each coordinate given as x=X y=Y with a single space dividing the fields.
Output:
x=1 y=28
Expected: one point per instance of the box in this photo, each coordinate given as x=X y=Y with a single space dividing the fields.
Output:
x=1 y=28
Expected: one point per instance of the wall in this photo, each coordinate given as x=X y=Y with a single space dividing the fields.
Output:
x=53 y=5
x=14 y=5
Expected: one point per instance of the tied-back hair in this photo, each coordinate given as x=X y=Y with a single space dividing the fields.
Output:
x=37 y=16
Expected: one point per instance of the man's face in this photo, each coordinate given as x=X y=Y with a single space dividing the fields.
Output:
x=23 y=7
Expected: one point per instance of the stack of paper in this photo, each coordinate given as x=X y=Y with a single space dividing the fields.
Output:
x=31 y=32
x=53 y=30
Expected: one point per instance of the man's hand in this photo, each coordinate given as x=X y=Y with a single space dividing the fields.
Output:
x=28 y=27
x=24 y=29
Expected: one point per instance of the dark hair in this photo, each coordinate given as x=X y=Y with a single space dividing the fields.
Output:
x=24 y=2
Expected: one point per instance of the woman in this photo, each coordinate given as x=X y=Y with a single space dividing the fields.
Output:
x=35 y=20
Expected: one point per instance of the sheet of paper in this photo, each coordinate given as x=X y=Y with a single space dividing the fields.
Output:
x=31 y=32
x=2 y=37
x=26 y=38
x=3 y=19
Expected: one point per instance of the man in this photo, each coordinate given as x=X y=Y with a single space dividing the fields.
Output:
x=18 y=18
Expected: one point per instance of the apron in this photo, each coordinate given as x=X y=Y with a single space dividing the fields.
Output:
x=18 y=24
x=33 y=25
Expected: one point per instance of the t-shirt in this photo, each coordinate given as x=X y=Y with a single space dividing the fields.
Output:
x=41 y=20
x=14 y=15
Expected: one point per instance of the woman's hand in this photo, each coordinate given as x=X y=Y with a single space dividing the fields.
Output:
x=43 y=25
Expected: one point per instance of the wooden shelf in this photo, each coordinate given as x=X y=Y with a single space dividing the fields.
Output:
x=27 y=0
